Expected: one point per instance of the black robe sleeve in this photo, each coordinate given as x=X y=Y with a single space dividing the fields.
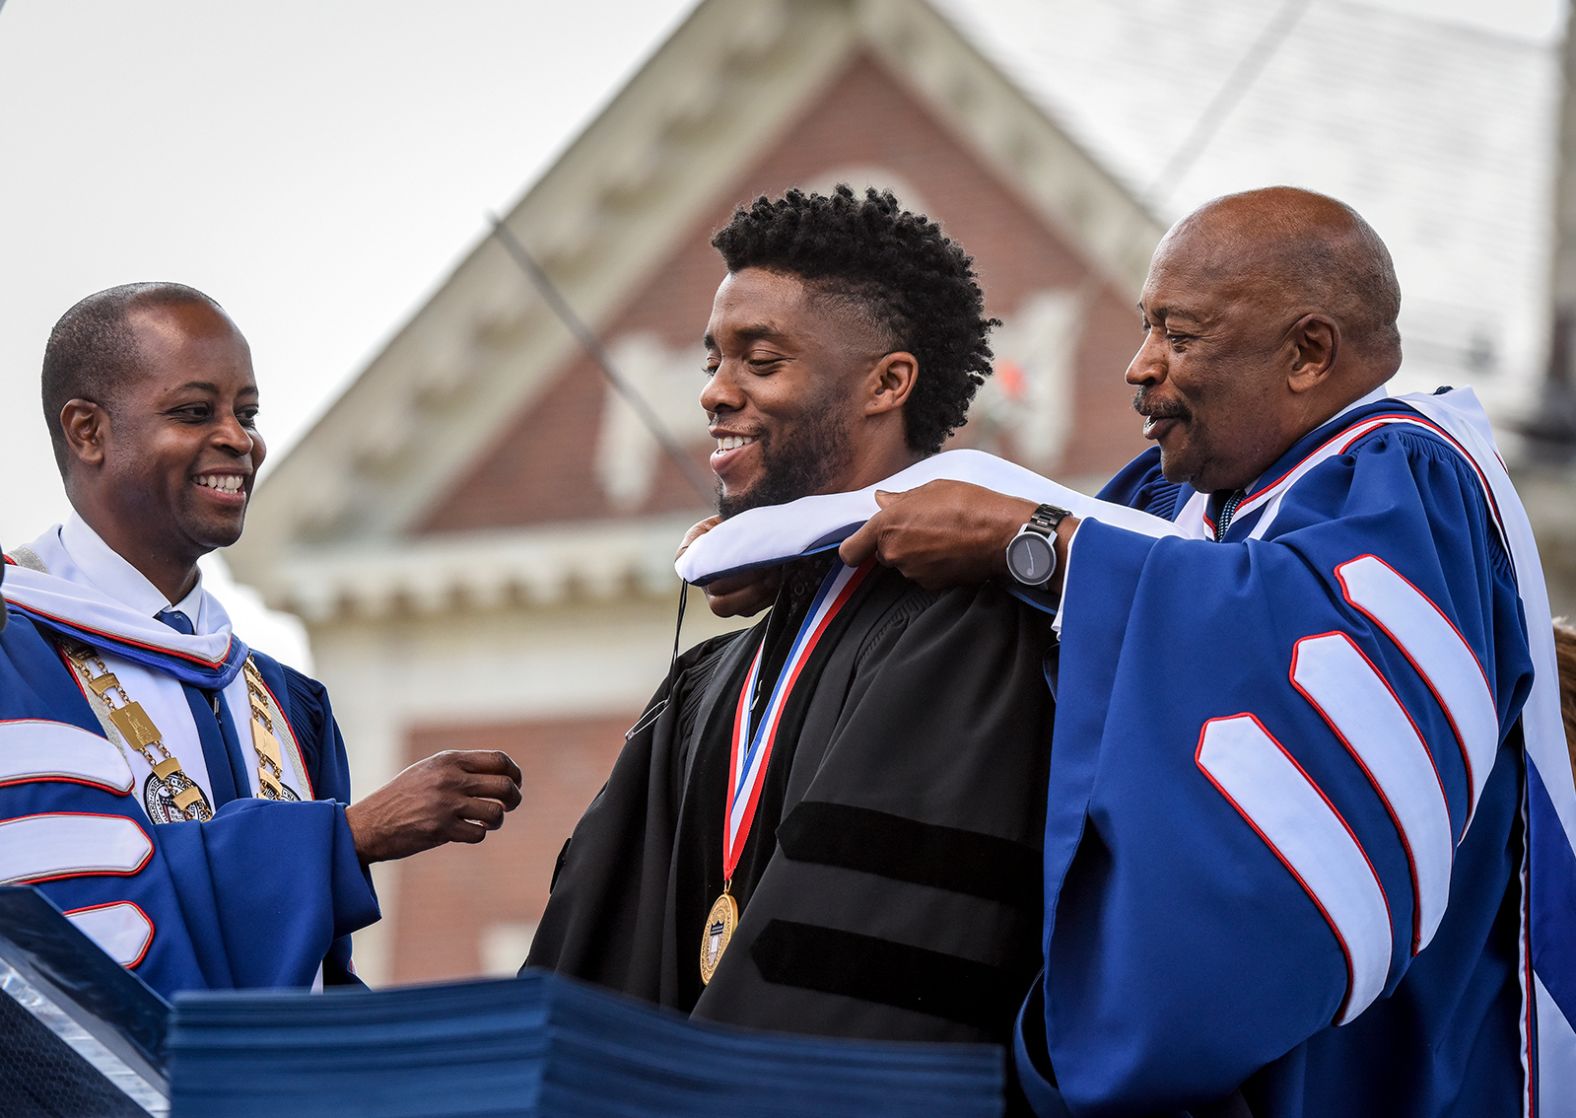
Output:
x=606 y=918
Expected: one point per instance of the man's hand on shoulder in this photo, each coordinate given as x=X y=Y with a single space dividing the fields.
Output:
x=943 y=533
x=739 y=595
x=453 y=796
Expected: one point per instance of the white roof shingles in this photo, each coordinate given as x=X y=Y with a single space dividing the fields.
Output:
x=1441 y=136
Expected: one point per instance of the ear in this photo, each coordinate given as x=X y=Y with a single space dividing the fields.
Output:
x=1316 y=342
x=85 y=425
x=890 y=382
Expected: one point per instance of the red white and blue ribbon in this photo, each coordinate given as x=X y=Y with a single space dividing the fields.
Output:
x=752 y=752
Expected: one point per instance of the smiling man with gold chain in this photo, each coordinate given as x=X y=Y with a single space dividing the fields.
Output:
x=181 y=797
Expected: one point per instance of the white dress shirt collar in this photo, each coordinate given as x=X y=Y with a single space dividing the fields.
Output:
x=99 y=565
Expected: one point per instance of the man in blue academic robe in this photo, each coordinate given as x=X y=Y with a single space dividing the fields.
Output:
x=180 y=796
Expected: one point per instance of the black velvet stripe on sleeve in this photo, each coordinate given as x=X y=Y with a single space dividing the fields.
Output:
x=905 y=849
x=831 y=961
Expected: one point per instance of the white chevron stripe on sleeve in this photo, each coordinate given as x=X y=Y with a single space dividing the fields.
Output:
x=1358 y=704
x=64 y=844
x=1291 y=815
x=1442 y=657
x=122 y=929
x=33 y=749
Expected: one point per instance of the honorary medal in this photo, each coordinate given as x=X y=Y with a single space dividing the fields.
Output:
x=751 y=752
x=169 y=795
x=720 y=923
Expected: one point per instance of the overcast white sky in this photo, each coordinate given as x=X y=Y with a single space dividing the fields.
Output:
x=315 y=165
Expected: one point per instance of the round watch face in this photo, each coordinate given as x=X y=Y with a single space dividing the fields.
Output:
x=1031 y=558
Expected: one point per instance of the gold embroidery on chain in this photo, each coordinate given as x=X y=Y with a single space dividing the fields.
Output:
x=270 y=770
x=139 y=732
x=137 y=728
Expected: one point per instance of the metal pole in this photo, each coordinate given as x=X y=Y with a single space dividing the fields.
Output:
x=594 y=349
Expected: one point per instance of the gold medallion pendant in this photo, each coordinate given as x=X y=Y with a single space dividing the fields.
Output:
x=720 y=924
x=170 y=795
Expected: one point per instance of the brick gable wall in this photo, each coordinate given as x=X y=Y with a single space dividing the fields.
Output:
x=537 y=472
x=450 y=901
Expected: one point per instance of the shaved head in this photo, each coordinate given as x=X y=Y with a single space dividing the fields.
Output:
x=93 y=350
x=1265 y=314
x=1302 y=252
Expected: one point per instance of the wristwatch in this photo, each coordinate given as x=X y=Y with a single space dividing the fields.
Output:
x=1031 y=556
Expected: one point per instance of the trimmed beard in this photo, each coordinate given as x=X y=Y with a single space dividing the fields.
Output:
x=813 y=453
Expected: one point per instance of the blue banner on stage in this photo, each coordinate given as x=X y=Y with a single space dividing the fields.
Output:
x=540 y=1045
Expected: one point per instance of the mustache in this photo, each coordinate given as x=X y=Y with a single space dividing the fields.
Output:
x=1153 y=409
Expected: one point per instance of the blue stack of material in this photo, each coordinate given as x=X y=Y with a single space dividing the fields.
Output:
x=539 y=1045
x=84 y=1037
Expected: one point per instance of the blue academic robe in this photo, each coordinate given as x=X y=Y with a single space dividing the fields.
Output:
x=1260 y=873
x=259 y=896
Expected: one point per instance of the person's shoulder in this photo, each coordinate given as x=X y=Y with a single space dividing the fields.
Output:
x=1140 y=485
x=303 y=696
x=1419 y=442
x=1407 y=455
x=697 y=666
x=20 y=638
x=270 y=665
x=707 y=653
x=972 y=617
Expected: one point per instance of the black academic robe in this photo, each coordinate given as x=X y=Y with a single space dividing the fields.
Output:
x=891 y=885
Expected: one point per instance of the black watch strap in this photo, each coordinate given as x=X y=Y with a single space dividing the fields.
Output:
x=1046 y=518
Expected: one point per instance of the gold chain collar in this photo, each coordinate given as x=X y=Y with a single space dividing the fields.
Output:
x=270 y=772
x=138 y=730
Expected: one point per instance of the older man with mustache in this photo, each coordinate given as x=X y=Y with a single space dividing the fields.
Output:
x=1308 y=842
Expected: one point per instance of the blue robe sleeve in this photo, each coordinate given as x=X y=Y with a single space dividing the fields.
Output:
x=275 y=912
x=355 y=901
x=277 y=885
x=1267 y=755
x=259 y=896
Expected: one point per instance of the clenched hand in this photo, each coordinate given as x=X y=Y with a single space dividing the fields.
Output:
x=453 y=796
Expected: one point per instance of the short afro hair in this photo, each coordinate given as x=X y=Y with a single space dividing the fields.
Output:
x=914 y=283
x=92 y=350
